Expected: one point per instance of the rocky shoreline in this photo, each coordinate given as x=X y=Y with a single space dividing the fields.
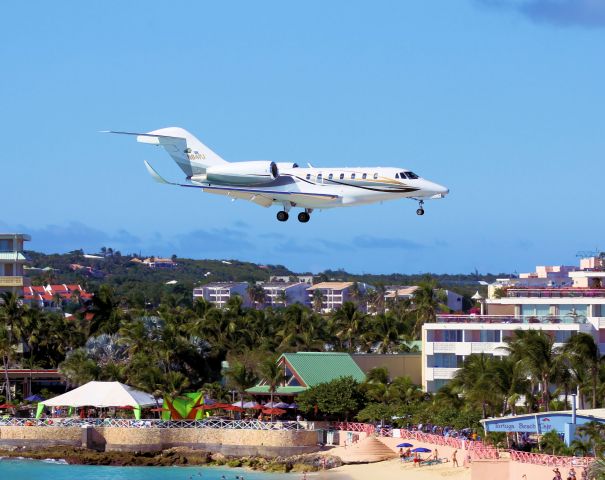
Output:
x=177 y=457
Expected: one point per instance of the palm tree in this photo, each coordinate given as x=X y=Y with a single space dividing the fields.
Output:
x=6 y=352
x=348 y=324
x=535 y=353
x=272 y=375
x=318 y=300
x=475 y=380
x=424 y=305
x=256 y=293
x=383 y=334
x=240 y=378
x=583 y=354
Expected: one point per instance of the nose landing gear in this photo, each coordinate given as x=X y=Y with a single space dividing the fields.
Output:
x=420 y=210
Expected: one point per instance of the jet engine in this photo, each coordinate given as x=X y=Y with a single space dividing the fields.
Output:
x=240 y=173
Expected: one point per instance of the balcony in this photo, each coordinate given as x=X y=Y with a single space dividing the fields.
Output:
x=16 y=281
x=520 y=319
x=528 y=292
x=440 y=373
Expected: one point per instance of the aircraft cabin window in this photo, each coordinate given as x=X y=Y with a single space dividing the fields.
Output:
x=320 y=177
x=352 y=176
x=375 y=176
x=342 y=176
x=412 y=175
x=308 y=176
x=396 y=175
x=330 y=177
x=364 y=176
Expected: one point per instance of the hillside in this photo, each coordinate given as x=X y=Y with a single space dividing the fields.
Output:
x=142 y=285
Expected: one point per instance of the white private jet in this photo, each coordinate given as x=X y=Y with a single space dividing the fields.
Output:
x=286 y=184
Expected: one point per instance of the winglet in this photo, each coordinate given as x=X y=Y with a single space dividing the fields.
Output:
x=155 y=175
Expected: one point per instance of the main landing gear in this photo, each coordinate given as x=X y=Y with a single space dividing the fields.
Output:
x=303 y=217
x=420 y=210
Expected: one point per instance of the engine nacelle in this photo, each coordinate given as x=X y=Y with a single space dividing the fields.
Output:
x=242 y=173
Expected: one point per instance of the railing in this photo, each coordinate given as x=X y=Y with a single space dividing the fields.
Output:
x=354 y=427
x=511 y=319
x=434 y=439
x=485 y=453
x=550 y=460
x=152 y=423
x=573 y=292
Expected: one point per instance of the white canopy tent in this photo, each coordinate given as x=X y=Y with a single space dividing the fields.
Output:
x=102 y=395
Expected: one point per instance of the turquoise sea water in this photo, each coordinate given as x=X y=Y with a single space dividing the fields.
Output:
x=35 y=470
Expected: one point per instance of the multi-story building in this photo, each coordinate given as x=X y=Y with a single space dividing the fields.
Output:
x=560 y=300
x=281 y=294
x=55 y=296
x=334 y=294
x=286 y=278
x=219 y=293
x=452 y=299
x=12 y=260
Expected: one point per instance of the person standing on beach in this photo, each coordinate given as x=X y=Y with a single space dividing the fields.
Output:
x=454 y=459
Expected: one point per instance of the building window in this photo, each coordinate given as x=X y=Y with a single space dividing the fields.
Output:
x=452 y=335
x=444 y=360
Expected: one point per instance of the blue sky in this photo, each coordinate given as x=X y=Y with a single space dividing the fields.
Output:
x=502 y=101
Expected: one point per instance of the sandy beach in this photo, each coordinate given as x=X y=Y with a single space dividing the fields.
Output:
x=392 y=469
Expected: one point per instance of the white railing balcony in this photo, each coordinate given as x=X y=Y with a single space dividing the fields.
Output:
x=495 y=348
x=444 y=347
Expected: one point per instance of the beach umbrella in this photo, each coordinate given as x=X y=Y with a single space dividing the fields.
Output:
x=404 y=445
x=270 y=404
x=421 y=450
x=34 y=398
x=234 y=408
x=281 y=405
x=293 y=405
x=273 y=411
x=4 y=406
x=253 y=405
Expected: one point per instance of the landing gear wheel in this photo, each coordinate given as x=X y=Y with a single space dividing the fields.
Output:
x=420 y=211
x=282 y=216
x=304 y=217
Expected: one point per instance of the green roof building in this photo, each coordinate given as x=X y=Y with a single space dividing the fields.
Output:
x=307 y=369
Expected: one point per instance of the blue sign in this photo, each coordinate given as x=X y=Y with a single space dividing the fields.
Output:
x=537 y=423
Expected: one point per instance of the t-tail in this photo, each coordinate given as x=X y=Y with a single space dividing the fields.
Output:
x=191 y=155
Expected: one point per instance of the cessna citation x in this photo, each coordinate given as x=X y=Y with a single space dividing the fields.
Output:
x=286 y=184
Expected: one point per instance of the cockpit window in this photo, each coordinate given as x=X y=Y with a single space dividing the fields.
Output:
x=403 y=175
x=396 y=175
x=411 y=175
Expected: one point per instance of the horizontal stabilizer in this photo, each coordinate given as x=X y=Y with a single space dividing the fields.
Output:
x=155 y=175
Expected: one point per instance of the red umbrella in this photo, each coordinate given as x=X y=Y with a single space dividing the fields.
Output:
x=126 y=407
x=273 y=411
x=213 y=406
x=7 y=405
x=159 y=409
x=234 y=408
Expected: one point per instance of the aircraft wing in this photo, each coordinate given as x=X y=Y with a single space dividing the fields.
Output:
x=262 y=197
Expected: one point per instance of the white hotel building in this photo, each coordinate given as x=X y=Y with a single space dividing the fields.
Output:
x=559 y=300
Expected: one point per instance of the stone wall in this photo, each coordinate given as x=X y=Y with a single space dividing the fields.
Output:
x=36 y=437
x=270 y=443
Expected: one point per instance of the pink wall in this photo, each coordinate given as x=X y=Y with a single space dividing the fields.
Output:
x=505 y=469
